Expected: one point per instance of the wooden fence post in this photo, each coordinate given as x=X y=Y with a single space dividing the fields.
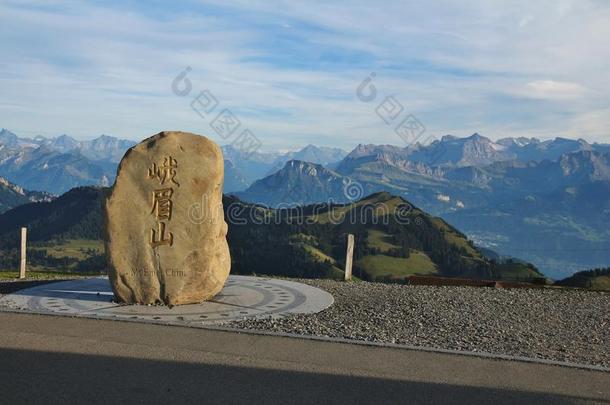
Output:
x=348 y=257
x=23 y=250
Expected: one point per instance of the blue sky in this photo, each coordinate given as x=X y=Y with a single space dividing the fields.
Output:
x=289 y=70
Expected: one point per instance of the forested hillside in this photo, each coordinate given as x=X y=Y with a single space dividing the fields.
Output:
x=393 y=238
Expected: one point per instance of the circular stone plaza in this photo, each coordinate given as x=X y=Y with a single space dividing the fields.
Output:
x=243 y=297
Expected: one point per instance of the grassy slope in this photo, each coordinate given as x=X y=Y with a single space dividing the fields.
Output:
x=601 y=283
x=419 y=262
x=379 y=240
x=79 y=249
x=517 y=271
x=60 y=220
x=305 y=241
x=383 y=207
x=44 y=275
x=397 y=267
x=454 y=238
x=76 y=248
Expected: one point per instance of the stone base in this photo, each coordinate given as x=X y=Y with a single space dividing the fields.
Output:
x=242 y=297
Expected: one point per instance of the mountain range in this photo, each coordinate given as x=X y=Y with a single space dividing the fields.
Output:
x=242 y=169
x=448 y=175
x=104 y=147
x=56 y=165
x=547 y=202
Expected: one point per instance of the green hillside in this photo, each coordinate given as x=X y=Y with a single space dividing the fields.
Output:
x=597 y=279
x=393 y=239
x=382 y=266
x=76 y=214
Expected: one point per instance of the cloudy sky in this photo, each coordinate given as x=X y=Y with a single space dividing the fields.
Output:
x=289 y=71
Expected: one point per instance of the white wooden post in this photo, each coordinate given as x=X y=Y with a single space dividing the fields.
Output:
x=23 y=247
x=348 y=257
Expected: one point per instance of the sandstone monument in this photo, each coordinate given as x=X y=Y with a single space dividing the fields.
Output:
x=166 y=234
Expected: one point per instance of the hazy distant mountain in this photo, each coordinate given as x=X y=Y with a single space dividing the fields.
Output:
x=550 y=150
x=387 y=168
x=431 y=160
x=298 y=182
x=62 y=143
x=37 y=162
x=55 y=172
x=376 y=158
x=516 y=143
x=8 y=139
x=516 y=178
x=317 y=154
x=106 y=148
x=476 y=150
x=234 y=178
x=250 y=166
x=12 y=195
x=255 y=166
x=58 y=164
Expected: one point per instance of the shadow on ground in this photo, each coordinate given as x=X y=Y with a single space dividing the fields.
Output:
x=31 y=377
x=9 y=287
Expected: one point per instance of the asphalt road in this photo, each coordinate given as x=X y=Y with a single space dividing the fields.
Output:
x=70 y=360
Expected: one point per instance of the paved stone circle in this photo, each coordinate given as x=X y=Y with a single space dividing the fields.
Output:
x=243 y=297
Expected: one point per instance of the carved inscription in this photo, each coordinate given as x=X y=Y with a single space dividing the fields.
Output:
x=166 y=172
x=162 y=200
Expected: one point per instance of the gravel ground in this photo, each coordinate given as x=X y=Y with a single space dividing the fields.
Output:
x=564 y=325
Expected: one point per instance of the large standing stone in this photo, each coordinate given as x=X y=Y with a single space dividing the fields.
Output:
x=165 y=225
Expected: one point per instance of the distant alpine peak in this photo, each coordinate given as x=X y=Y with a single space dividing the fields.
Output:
x=477 y=136
x=378 y=150
x=517 y=142
x=310 y=147
x=304 y=167
x=8 y=138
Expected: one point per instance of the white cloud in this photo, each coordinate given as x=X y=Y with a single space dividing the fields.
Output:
x=490 y=66
x=550 y=89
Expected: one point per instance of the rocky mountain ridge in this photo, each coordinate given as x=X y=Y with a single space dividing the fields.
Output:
x=58 y=164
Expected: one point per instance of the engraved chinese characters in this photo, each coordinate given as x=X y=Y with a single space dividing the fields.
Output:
x=161 y=200
x=160 y=250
